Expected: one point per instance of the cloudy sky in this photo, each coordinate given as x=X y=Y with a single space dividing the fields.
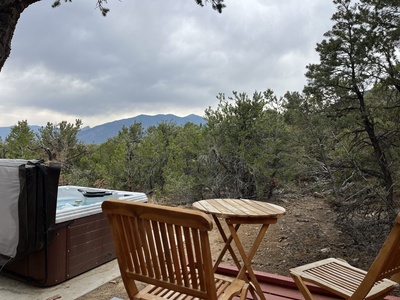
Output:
x=154 y=56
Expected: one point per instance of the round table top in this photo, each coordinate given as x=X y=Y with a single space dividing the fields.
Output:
x=239 y=208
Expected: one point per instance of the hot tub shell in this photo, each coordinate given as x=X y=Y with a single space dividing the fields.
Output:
x=80 y=241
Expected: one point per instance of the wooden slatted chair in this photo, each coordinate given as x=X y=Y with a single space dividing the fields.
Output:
x=348 y=282
x=168 y=249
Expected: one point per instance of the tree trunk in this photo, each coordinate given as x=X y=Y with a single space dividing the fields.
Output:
x=379 y=153
x=10 y=11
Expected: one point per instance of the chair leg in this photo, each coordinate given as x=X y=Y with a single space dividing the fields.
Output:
x=245 y=289
x=302 y=287
x=130 y=286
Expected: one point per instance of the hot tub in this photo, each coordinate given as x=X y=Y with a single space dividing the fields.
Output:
x=80 y=240
x=75 y=202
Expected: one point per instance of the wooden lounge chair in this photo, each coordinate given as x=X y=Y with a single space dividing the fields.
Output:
x=168 y=249
x=348 y=282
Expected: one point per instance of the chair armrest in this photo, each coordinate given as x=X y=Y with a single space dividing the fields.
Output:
x=234 y=289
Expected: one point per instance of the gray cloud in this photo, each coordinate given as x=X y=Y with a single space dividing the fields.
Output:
x=154 y=57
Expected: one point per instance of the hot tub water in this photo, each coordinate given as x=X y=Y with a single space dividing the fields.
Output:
x=76 y=202
x=73 y=196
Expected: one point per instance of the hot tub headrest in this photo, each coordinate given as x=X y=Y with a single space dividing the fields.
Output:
x=94 y=193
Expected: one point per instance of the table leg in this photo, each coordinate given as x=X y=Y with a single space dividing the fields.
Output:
x=248 y=258
x=227 y=245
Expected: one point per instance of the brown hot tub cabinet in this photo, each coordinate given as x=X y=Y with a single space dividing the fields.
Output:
x=76 y=247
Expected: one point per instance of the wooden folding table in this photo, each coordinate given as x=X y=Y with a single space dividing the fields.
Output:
x=237 y=212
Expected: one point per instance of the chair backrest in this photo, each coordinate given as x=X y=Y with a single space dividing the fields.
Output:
x=386 y=263
x=163 y=246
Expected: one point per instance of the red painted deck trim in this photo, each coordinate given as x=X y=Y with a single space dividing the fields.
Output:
x=277 y=287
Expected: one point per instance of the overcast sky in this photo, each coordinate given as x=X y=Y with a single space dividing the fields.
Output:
x=154 y=57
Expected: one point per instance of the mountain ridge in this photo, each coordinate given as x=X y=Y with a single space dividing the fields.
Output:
x=101 y=133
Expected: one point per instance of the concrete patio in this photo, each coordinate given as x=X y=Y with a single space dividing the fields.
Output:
x=11 y=289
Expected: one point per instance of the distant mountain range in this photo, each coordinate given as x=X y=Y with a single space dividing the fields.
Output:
x=101 y=133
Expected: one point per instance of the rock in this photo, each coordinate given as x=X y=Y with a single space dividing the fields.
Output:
x=318 y=195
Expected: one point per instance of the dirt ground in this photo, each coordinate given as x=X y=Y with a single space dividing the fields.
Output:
x=306 y=233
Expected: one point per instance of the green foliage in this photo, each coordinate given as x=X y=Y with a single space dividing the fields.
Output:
x=154 y=154
x=357 y=59
x=59 y=143
x=21 y=142
x=114 y=164
x=133 y=160
x=309 y=135
x=99 y=4
x=247 y=142
x=185 y=175
x=354 y=90
x=217 y=5
x=2 y=149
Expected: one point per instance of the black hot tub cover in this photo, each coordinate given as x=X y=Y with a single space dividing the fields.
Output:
x=28 y=196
